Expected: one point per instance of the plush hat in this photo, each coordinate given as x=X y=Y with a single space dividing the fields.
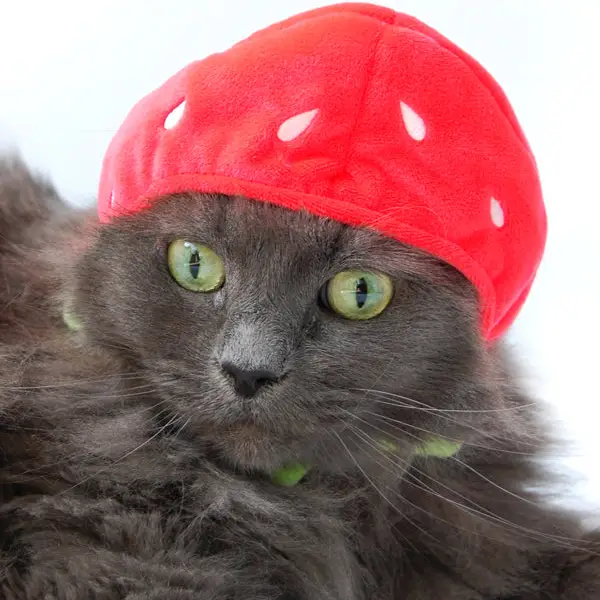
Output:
x=360 y=114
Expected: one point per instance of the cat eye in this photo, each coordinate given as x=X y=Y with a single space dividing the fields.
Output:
x=195 y=267
x=358 y=295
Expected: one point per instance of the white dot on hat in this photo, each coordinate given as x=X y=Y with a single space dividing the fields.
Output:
x=111 y=201
x=291 y=128
x=415 y=126
x=175 y=116
x=496 y=212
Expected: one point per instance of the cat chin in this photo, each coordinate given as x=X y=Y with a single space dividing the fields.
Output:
x=251 y=447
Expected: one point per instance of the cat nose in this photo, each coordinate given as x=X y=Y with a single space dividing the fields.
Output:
x=248 y=381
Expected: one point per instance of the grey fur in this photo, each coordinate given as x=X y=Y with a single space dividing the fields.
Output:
x=131 y=469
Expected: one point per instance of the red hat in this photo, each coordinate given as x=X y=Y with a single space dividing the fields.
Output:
x=356 y=113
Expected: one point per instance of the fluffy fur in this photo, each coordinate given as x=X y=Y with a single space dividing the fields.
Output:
x=130 y=469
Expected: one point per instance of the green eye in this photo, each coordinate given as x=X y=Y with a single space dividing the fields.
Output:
x=359 y=295
x=195 y=267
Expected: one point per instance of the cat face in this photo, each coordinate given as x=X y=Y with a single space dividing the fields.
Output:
x=262 y=367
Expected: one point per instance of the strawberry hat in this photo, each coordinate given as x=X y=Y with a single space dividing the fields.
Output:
x=356 y=113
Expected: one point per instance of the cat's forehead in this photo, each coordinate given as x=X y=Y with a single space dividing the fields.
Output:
x=237 y=221
x=246 y=229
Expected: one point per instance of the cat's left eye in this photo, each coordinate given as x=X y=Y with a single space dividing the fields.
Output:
x=358 y=295
x=195 y=267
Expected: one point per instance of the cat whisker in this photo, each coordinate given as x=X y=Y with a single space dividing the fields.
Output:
x=376 y=488
x=113 y=345
x=399 y=425
x=372 y=443
x=81 y=403
x=479 y=512
x=173 y=419
x=148 y=391
x=182 y=428
x=427 y=476
x=69 y=459
x=493 y=483
x=429 y=408
x=518 y=497
x=79 y=382
x=405 y=463
x=138 y=390
x=455 y=421
x=452 y=458
x=457 y=410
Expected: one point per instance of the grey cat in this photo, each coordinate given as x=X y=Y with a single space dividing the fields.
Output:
x=249 y=442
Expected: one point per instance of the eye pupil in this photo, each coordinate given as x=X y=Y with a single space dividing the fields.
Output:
x=357 y=295
x=194 y=264
x=362 y=290
x=195 y=267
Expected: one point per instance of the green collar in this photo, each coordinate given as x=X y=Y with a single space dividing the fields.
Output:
x=292 y=474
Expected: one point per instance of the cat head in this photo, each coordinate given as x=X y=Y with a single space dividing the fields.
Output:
x=265 y=353
x=263 y=361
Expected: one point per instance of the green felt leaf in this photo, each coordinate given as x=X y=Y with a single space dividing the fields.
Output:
x=289 y=475
x=71 y=321
x=438 y=447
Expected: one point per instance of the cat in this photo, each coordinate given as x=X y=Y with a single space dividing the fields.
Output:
x=142 y=425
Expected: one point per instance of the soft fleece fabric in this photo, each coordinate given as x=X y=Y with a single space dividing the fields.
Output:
x=356 y=113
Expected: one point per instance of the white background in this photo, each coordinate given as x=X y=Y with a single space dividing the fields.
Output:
x=70 y=71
